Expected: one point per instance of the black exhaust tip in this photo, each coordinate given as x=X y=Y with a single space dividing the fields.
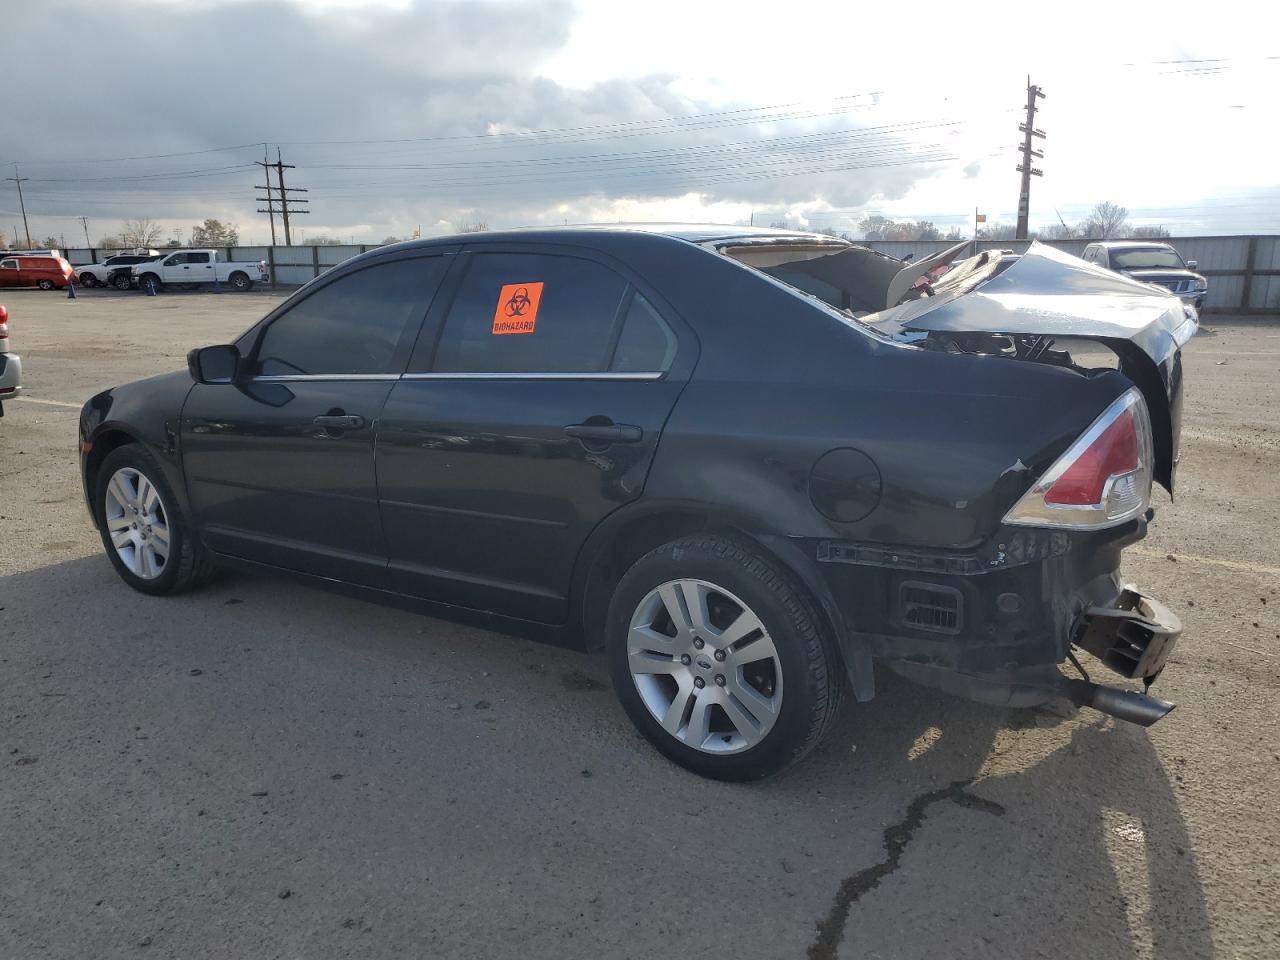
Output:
x=1140 y=708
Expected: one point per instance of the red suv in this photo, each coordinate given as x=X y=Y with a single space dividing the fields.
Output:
x=44 y=272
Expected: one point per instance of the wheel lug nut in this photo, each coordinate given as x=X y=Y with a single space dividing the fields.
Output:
x=699 y=682
x=719 y=679
x=720 y=655
x=686 y=659
x=698 y=643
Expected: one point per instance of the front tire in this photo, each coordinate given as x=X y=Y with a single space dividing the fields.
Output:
x=721 y=658
x=240 y=281
x=88 y=280
x=148 y=538
x=156 y=282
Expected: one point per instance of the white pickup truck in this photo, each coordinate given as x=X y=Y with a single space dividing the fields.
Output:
x=199 y=266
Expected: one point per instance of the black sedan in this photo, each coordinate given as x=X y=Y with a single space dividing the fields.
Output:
x=748 y=464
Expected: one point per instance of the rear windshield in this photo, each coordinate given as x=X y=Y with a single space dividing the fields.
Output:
x=1143 y=258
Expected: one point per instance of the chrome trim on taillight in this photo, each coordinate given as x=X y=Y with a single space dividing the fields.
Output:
x=1032 y=510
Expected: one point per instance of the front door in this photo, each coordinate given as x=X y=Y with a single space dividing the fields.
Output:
x=535 y=415
x=279 y=464
x=9 y=273
x=195 y=266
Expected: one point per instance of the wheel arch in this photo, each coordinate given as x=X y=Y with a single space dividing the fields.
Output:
x=105 y=440
x=631 y=532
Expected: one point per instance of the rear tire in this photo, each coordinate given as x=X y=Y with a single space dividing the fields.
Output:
x=721 y=702
x=148 y=539
x=240 y=281
x=121 y=281
x=44 y=284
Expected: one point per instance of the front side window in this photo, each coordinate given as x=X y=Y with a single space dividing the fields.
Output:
x=352 y=325
x=176 y=259
x=531 y=313
x=8 y=264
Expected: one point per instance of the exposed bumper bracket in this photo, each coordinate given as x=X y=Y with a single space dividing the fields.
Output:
x=1133 y=637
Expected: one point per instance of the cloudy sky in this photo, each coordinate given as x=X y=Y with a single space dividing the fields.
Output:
x=408 y=113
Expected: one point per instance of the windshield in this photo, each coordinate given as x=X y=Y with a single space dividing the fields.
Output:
x=1143 y=258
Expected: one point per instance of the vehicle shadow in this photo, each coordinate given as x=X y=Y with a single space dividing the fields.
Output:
x=484 y=796
x=1026 y=832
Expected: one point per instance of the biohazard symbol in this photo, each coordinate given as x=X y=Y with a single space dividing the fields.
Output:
x=517 y=309
x=518 y=303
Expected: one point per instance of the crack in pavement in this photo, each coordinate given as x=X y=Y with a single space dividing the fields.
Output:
x=896 y=838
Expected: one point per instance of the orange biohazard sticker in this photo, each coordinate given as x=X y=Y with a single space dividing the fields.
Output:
x=517 y=310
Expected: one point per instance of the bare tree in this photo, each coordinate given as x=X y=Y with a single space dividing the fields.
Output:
x=141 y=233
x=1106 y=220
x=1154 y=231
x=477 y=226
x=995 y=230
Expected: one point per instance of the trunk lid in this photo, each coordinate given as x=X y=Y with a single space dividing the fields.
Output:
x=1047 y=293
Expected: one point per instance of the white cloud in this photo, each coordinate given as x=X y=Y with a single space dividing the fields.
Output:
x=938 y=82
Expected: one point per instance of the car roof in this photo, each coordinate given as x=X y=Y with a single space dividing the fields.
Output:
x=696 y=233
x=1135 y=244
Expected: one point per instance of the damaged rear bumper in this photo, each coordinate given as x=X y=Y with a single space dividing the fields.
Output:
x=995 y=626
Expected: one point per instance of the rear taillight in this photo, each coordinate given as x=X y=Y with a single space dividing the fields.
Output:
x=1103 y=479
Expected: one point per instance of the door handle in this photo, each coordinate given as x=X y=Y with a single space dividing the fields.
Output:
x=604 y=432
x=339 y=422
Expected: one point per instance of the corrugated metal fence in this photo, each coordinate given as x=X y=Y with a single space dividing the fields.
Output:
x=1243 y=272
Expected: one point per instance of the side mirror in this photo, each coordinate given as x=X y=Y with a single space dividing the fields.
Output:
x=214 y=364
x=1191 y=264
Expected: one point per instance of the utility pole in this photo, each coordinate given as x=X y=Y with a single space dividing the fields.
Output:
x=284 y=199
x=22 y=206
x=84 y=222
x=268 y=199
x=1029 y=130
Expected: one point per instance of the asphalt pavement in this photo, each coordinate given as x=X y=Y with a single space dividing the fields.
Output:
x=262 y=769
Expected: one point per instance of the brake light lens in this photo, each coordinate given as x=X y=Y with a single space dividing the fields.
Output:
x=1103 y=479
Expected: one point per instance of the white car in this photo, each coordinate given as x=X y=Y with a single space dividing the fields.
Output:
x=108 y=271
x=10 y=364
x=199 y=266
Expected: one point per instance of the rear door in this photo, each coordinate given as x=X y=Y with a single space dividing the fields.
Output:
x=279 y=466
x=531 y=409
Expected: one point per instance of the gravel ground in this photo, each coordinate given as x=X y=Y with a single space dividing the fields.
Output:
x=262 y=769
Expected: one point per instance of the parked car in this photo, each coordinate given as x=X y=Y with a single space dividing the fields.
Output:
x=199 y=266
x=45 y=272
x=1149 y=262
x=111 y=268
x=650 y=440
x=10 y=364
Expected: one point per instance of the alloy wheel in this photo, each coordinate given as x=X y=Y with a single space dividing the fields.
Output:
x=705 y=666
x=137 y=522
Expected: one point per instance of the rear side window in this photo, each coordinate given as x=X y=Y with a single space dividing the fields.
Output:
x=646 y=344
x=197 y=258
x=531 y=313
x=352 y=325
